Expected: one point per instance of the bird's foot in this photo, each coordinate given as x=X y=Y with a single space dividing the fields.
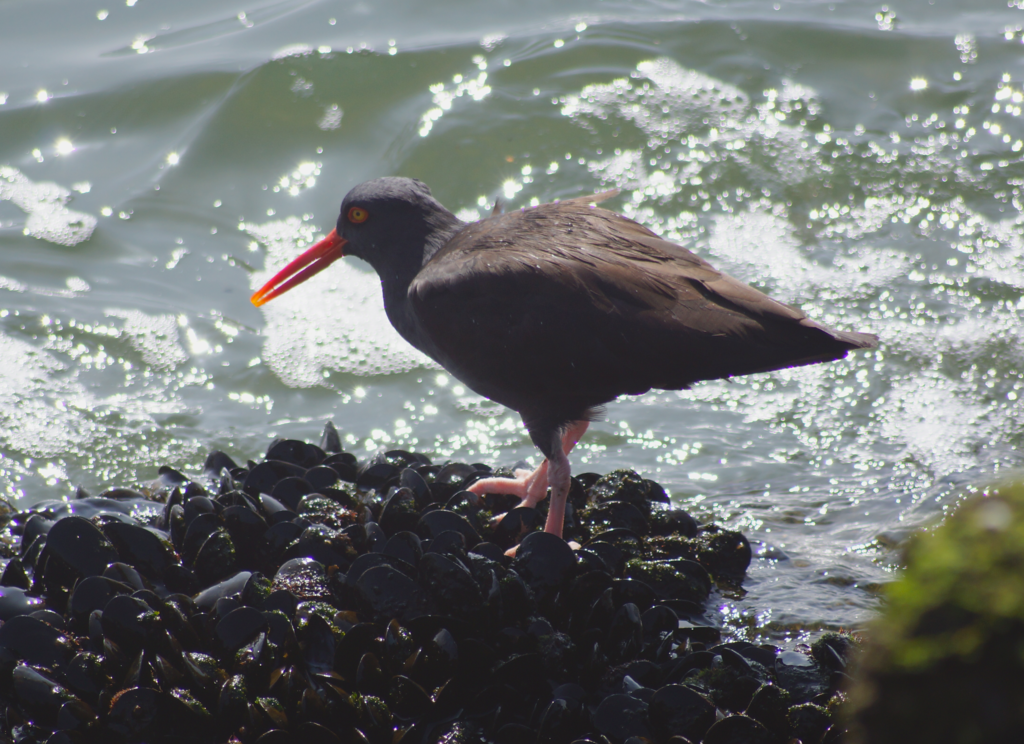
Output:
x=511 y=552
x=530 y=486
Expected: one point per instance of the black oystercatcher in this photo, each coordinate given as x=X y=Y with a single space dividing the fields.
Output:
x=556 y=310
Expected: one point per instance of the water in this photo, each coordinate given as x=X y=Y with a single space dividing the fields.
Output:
x=158 y=161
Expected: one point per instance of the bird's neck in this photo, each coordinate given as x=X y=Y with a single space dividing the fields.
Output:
x=443 y=226
x=398 y=275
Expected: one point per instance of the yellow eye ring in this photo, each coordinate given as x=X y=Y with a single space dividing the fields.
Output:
x=357 y=215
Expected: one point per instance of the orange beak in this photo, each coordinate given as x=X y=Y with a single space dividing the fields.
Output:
x=312 y=261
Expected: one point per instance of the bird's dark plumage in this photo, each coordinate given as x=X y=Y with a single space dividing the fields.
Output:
x=558 y=309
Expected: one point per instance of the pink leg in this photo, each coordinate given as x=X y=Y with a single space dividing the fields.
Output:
x=532 y=487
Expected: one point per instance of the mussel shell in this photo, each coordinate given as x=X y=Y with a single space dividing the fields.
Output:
x=673 y=522
x=86 y=676
x=34 y=642
x=401 y=511
x=800 y=675
x=404 y=459
x=130 y=623
x=36 y=526
x=677 y=578
x=330 y=439
x=197 y=505
x=237 y=628
x=450 y=585
x=625 y=638
x=560 y=722
x=404 y=545
x=229 y=587
x=14 y=576
x=93 y=593
x=318 y=645
x=809 y=722
x=451 y=542
x=614 y=514
x=322 y=477
x=148 y=550
x=545 y=562
x=770 y=705
x=296 y=452
x=246 y=527
x=388 y=593
x=75 y=548
x=622 y=485
x=311 y=732
x=199 y=529
x=289 y=491
x=39 y=697
x=217 y=461
x=216 y=559
x=677 y=710
x=17 y=601
x=620 y=716
x=365 y=562
x=262 y=478
x=632 y=590
x=450 y=479
x=125 y=574
x=323 y=544
x=344 y=464
x=75 y=716
x=377 y=475
x=433 y=523
x=491 y=552
x=275 y=511
x=415 y=482
x=304 y=577
x=738 y=729
x=520 y=672
x=146 y=714
x=515 y=525
x=658 y=621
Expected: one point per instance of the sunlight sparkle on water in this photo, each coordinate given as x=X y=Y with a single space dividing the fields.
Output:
x=300 y=179
x=510 y=188
x=443 y=97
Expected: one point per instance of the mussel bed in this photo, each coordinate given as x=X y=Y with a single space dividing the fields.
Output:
x=314 y=598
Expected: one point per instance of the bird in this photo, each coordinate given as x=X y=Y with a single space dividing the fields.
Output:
x=556 y=310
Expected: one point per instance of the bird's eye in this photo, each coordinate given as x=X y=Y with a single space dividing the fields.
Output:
x=357 y=215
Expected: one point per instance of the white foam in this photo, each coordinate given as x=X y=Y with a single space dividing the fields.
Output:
x=44 y=204
x=31 y=380
x=758 y=245
x=155 y=337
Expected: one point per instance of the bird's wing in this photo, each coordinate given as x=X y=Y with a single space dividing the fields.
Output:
x=576 y=303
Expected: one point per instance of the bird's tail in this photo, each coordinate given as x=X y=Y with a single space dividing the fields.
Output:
x=857 y=340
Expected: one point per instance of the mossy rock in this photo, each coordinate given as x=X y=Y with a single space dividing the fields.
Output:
x=945 y=661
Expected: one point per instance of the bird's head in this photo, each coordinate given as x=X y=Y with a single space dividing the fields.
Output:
x=392 y=223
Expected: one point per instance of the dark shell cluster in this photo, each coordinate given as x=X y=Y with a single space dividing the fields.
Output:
x=314 y=598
